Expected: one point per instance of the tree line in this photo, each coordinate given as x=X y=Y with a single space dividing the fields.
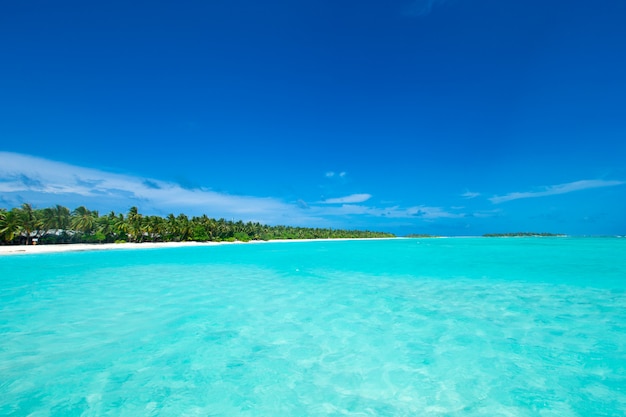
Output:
x=523 y=234
x=24 y=225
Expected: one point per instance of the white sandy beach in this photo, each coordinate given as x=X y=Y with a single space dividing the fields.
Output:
x=81 y=247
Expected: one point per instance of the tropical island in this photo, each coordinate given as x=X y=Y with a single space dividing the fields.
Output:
x=524 y=234
x=26 y=225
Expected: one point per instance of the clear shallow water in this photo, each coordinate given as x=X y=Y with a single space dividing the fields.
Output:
x=432 y=327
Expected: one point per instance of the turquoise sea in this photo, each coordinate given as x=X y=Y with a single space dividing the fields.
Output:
x=406 y=327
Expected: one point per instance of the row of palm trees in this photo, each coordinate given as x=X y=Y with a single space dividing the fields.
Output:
x=25 y=224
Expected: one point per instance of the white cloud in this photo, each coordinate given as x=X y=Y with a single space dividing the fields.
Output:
x=430 y=213
x=425 y=213
x=27 y=177
x=556 y=189
x=332 y=174
x=470 y=194
x=353 y=198
x=43 y=182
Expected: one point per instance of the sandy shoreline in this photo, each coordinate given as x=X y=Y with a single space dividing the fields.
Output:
x=82 y=247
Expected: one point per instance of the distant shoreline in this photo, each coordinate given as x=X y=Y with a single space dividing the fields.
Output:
x=90 y=247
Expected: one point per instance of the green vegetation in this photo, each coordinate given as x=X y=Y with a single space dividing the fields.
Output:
x=523 y=234
x=20 y=225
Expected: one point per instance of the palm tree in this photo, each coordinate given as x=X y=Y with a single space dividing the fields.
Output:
x=62 y=217
x=185 y=231
x=28 y=222
x=171 y=228
x=135 y=224
x=120 y=227
x=55 y=218
x=83 y=219
x=106 y=226
x=48 y=219
x=10 y=225
x=154 y=226
x=223 y=229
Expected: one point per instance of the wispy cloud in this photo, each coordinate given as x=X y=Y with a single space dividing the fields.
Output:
x=24 y=176
x=424 y=213
x=470 y=194
x=556 y=189
x=302 y=204
x=332 y=174
x=353 y=198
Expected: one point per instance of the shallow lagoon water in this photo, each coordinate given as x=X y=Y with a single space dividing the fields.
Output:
x=407 y=327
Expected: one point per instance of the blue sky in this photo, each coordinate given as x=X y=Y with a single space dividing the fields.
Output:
x=450 y=117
